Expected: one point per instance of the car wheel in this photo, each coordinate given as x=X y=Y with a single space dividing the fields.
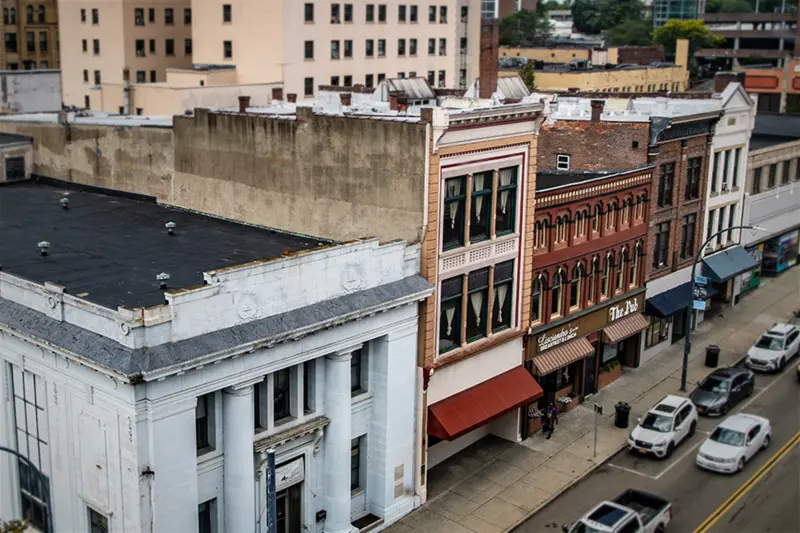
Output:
x=692 y=429
x=659 y=529
x=765 y=443
x=670 y=449
x=725 y=409
x=740 y=466
x=750 y=390
x=781 y=364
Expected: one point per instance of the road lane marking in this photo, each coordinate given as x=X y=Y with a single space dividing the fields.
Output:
x=748 y=485
x=631 y=471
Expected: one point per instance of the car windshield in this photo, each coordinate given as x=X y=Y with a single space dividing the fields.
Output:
x=714 y=385
x=728 y=436
x=769 y=343
x=580 y=527
x=656 y=422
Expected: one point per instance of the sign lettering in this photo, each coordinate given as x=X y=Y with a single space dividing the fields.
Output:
x=615 y=312
x=553 y=339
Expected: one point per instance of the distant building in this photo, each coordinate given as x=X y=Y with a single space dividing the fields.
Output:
x=770 y=38
x=664 y=10
x=500 y=9
x=30 y=91
x=30 y=35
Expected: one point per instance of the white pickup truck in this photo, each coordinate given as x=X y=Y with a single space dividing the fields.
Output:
x=633 y=511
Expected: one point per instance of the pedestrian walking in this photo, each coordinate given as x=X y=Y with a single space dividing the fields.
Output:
x=546 y=427
x=554 y=414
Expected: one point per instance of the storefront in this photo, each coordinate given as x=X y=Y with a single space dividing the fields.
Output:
x=721 y=270
x=780 y=253
x=574 y=358
x=752 y=279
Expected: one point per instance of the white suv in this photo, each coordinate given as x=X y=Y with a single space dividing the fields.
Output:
x=666 y=425
x=774 y=348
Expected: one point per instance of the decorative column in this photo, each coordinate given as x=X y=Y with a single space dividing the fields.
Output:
x=338 y=434
x=239 y=465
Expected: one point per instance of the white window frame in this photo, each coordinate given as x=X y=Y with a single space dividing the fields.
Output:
x=562 y=162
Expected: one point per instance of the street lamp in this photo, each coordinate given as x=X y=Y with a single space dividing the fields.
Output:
x=687 y=344
x=42 y=480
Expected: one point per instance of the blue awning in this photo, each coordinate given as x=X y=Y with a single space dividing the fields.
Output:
x=670 y=302
x=723 y=266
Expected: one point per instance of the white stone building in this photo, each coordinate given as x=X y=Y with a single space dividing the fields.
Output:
x=151 y=408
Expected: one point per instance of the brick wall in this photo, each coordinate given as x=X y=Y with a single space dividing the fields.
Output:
x=640 y=55
x=489 y=52
x=587 y=143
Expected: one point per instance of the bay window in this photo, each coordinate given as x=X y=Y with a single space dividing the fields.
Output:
x=503 y=292
x=555 y=295
x=480 y=206
x=454 y=207
x=477 y=303
x=506 y=208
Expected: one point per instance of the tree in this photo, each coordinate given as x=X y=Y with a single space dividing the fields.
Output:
x=554 y=5
x=524 y=28
x=728 y=6
x=15 y=526
x=595 y=16
x=695 y=31
x=631 y=33
x=528 y=76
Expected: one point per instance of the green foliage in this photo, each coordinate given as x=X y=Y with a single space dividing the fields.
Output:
x=595 y=16
x=608 y=367
x=631 y=33
x=15 y=526
x=695 y=31
x=553 y=5
x=524 y=28
x=528 y=76
x=728 y=6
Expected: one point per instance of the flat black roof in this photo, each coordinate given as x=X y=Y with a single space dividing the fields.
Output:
x=108 y=247
x=550 y=179
x=13 y=138
x=774 y=128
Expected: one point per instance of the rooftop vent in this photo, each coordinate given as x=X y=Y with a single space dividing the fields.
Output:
x=43 y=247
x=65 y=203
x=170 y=227
x=162 y=280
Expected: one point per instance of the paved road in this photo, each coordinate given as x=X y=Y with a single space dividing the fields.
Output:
x=771 y=505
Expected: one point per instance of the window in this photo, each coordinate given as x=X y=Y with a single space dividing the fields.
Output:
x=169 y=16
x=309 y=375
x=687 y=236
x=561 y=229
x=141 y=76
x=450 y=314
x=441 y=78
x=348 y=81
x=480 y=206
x=710 y=229
x=431 y=77
x=657 y=331
x=693 y=178
x=506 y=207
x=335 y=14
x=138 y=16
x=633 y=280
x=11 y=42
x=736 y=159
x=431 y=48
x=13 y=15
x=757 y=180
x=477 y=304
x=308 y=86
x=85 y=76
x=98 y=523
x=773 y=171
x=97 y=77
x=29 y=14
x=605 y=280
x=334 y=49
x=715 y=174
x=442 y=47
x=84 y=46
x=555 y=294
x=153 y=74
x=335 y=81
x=731 y=220
x=442 y=14
x=503 y=291
x=593 y=270
x=308 y=52
x=666 y=181
x=139 y=47
x=536 y=299
x=370 y=13
x=562 y=162
x=96 y=46
x=540 y=234
x=785 y=173
x=382 y=13
x=187 y=46
x=454 y=207
x=357 y=383
x=169 y=47
x=41 y=13
x=620 y=281
x=611 y=216
x=31 y=41
x=598 y=213
x=661 y=245
x=412 y=14
x=308 y=12
x=281 y=394
x=720 y=224
x=152 y=46
x=412 y=48
x=187 y=16
x=369 y=48
x=83 y=15
x=226 y=13
x=348 y=12
x=204 y=423
x=5 y=15
x=151 y=15
x=631 y=527
x=381 y=47
x=401 y=13
x=725 y=169
x=227 y=49
x=401 y=47
x=369 y=81
x=207 y=516
x=463 y=46
x=139 y=111
x=355 y=463
x=575 y=285
x=348 y=49
x=432 y=14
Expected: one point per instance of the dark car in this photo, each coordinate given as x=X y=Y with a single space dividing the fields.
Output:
x=722 y=389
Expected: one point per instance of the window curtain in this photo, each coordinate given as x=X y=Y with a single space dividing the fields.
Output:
x=506 y=175
x=477 y=185
x=502 y=292
x=449 y=314
x=476 y=300
x=453 y=189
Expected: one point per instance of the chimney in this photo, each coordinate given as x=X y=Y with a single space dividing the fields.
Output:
x=291 y=98
x=723 y=79
x=277 y=93
x=490 y=48
x=345 y=98
x=394 y=100
x=597 y=109
x=244 y=103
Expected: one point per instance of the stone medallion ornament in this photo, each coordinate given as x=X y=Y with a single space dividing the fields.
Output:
x=247 y=309
x=353 y=278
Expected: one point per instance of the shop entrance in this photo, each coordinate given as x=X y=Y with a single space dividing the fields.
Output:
x=288 y=510
x=678 y=325
x=590 y=372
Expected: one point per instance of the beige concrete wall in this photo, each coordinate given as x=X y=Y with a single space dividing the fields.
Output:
x=197 y=78
x=550 y=55
x=638 y=80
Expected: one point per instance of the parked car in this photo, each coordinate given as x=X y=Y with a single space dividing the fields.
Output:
x=664 y=427
x=798 y=372
x=633 y=511
x=774 y=348
x=734 y=442
x=722 y=389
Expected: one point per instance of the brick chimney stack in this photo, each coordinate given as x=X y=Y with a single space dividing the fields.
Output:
x=244 y=103
x=345 y=98
x=291 y=98
x=277 y=93
x=597 y=109
x=490 y=50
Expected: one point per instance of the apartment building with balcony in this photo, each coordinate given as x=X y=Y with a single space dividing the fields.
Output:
x=30 y=35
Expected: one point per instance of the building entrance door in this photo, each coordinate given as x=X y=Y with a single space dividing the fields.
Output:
x=288 y=510
x=590 y=371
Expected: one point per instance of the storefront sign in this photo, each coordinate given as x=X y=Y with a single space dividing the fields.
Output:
x=780 y=253
x=289 y=474
x=548 y=340
x=623 y=309
x=752 y=278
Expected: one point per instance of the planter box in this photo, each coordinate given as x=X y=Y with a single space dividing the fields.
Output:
x=608 y=377
x=564 y=407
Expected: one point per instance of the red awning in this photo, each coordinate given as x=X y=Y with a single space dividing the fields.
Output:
x=474 y=407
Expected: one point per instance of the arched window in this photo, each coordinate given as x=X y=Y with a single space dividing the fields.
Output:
x=626 y=211
x=555 y=294
x=537 y=226
x=575 y=285
x=536 y=297
x=611 y=216
x=5 y=15
x=584 y=221
x=598 y=212
x=543 y=233
x=623 y=256
x=29 y=14
x=41 y=14
x=634 y=265
x=13 y=17
x=593 y=268
x=604 y=282
x=578 y=217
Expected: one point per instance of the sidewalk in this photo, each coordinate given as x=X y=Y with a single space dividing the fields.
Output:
x=494 y=485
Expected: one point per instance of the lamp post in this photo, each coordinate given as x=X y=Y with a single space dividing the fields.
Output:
x=687 y=343
x=42 y=479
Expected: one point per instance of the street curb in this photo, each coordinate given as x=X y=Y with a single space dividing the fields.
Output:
x=565 y=489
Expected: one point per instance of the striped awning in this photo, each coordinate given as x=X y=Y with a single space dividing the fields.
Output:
x=622 y=329
x=562 y=355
